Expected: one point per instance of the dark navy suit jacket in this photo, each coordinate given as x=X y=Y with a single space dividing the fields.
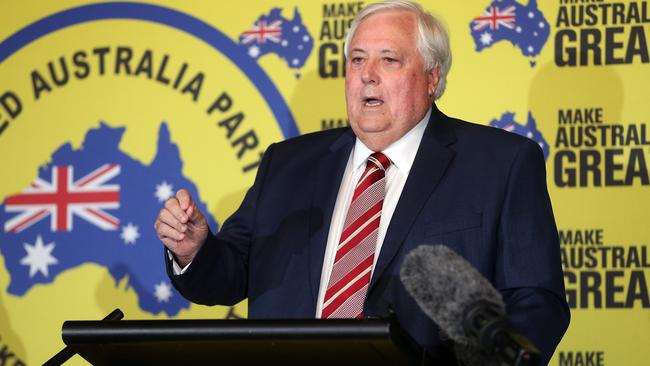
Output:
x=477 y=189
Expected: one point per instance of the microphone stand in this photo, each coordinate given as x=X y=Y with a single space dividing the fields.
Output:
x=65 y=354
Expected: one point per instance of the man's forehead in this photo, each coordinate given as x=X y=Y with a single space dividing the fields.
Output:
x=388 y=29
x=382 y=18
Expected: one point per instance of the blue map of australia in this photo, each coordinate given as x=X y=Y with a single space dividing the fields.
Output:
x=507 y=122
x=289 y=39
x=508 y=21
x=96 y=205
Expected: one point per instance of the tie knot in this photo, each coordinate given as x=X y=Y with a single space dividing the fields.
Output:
x=379 y=160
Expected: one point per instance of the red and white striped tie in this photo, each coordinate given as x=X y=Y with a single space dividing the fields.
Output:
x=348 y=283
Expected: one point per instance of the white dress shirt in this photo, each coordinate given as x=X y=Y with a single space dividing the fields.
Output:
x=401 y=154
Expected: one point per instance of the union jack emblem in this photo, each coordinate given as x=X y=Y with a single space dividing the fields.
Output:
x=63 y=197
x=495 y=17
x=261 y=32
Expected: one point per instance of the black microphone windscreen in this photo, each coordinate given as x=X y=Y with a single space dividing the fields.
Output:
x=443 y=284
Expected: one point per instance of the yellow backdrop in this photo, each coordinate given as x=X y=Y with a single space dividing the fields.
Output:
x=79 y=79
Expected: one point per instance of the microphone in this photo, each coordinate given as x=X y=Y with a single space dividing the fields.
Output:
x=466 y=307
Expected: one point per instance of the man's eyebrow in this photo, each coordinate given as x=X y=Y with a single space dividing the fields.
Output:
x=358 y=50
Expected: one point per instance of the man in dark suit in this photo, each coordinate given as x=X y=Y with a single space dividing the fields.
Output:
x=433 y=180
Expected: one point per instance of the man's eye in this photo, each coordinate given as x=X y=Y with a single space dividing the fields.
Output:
x=356 y=60
x=390 y=60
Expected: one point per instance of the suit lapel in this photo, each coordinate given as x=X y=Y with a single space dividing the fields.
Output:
x=430 y=163
x=330 y=169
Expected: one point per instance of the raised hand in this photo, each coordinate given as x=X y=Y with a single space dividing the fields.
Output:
x=182 y=227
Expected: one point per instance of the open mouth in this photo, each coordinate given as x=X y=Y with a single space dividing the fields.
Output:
x=372 y=102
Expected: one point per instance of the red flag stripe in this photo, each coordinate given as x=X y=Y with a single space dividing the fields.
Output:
x=25 y=223
x=63 y=198
x=99 y=173
x=109 y=219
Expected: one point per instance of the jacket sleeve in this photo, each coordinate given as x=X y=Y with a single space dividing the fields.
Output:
x=218 y=275
x=529 y=271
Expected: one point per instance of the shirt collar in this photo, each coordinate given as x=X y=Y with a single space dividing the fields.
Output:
x=401 y=152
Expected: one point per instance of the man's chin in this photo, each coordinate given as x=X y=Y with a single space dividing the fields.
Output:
x=370 y=125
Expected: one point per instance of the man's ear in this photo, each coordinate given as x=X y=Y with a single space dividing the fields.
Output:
x=433 y=78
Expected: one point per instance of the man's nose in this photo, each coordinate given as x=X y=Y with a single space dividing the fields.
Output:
x=369 y=73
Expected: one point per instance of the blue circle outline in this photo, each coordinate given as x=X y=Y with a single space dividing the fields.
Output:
x=169 y=17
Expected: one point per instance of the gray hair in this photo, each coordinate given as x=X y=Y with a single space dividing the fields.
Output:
x=432 y=42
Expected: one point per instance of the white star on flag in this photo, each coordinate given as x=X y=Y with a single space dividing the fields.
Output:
x=164 y=190
x=130 y=233
x=486 y=38
x=254 y=51
x=163 y=292
x=38 y=257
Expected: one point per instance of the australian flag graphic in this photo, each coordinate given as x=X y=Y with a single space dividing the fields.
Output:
x=271 y=33
x=507 y=20
x=96 y=205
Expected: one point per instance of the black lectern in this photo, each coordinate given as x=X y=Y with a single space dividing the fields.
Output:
x=238 y=342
